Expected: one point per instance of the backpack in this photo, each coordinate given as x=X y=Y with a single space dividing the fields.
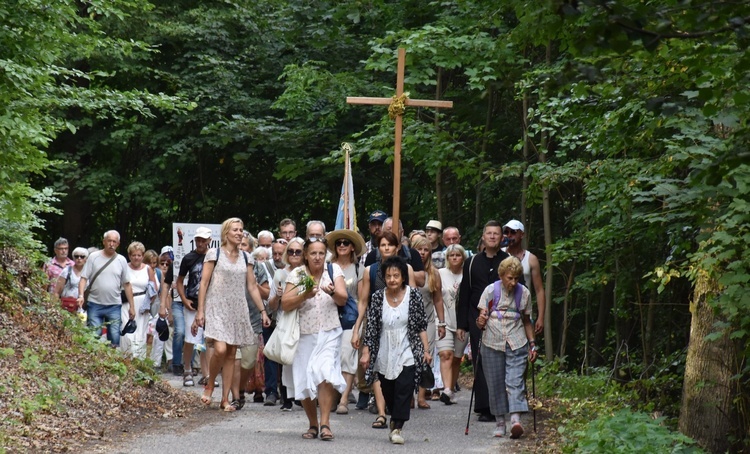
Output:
x=348 y=313
x=497 y=294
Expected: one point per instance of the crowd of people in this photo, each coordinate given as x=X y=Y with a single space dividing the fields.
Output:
x=422 y=302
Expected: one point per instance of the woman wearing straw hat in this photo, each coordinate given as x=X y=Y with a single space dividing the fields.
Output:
x=346 y=247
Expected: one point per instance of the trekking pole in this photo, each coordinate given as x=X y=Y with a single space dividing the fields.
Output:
x=476 y=369
x=533 y=394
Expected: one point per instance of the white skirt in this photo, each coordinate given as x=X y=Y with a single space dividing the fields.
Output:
x=317 y=360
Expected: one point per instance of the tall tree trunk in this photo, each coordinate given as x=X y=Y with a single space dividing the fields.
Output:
x=566 y=310
x=546 y=220
x=525 y=178
x=710 y=400
x=600 y=334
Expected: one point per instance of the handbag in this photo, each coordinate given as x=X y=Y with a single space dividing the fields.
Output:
x=69 y=303
x=349 y=312
x=427 y=379
x=282 y=345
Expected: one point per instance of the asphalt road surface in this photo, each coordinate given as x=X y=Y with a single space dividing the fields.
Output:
x=257 y=428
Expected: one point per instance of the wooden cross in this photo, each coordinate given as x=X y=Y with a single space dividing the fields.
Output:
x=399 y=122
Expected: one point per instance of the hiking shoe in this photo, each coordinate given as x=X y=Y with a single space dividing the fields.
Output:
x=396 y=437
x=516 y=430
x=187 y=379
x=270 y=401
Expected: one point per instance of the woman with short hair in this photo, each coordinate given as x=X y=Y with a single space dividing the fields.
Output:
x=66 y=285
x=141 y=274
x=395 y=344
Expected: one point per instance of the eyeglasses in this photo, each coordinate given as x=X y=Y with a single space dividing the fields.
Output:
x=343 y=243
x=509 y=232
x=79 y=256
x=293 y=252
x=280 y=241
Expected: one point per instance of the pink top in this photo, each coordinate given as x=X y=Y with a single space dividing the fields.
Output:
x=318 y=313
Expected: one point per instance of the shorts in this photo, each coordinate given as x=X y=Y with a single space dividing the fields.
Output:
x=451 y=343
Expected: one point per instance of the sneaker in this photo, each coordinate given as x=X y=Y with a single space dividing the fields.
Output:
x=187 y=379
x=516 y=430
x=371 y=406
x=362 y=401
x=178 y=370
x=270 y=401
x=447 y=398
x=258 y=397
x=396 y=437
x=499 y=430
x=287 y=405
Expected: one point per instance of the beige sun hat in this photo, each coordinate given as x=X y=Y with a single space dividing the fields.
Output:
x=346 y=234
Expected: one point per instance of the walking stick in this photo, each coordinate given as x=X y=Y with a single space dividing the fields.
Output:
x=533 y=394
x=471 y=399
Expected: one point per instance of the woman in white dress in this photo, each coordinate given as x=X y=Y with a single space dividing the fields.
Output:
x=316 y=370
x=451 y=348
x=141 y=274
x=432 y=296
x=222 y=308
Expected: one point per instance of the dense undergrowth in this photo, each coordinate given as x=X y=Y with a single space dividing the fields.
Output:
x=594 y=413
x=63 y=388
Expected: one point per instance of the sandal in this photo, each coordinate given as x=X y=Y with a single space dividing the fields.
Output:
x=206 y=399
x=342 y=410
x=380 y=422
x=423 y=405
x=231 y=406
x=311 y=433
x=326 y=436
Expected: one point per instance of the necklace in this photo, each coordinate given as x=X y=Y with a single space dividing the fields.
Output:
x=395 y=298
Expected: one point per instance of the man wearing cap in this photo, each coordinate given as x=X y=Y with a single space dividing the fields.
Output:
x=106 y=272
x=375 y=224
x=532 y=273
x=434 y=231
x=183 y=311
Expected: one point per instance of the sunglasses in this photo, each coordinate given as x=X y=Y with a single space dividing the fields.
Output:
x=294 y=252
x=79 y=256
x=509 y=232
x=316 y=240
x=343 y=243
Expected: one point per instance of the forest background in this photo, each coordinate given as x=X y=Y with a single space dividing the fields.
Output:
x=615 y=130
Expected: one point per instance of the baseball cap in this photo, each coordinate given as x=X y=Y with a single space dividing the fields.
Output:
x=514 y=224
x=162 y=328
x=435 y=225
x=129 y=328
x=377 y=215
x=202 y=232
x=167 y=250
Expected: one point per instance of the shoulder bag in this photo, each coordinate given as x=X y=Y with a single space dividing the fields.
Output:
x=282 y=345
x=91 y=282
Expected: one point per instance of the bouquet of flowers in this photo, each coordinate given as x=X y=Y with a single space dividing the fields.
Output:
x=306 y=282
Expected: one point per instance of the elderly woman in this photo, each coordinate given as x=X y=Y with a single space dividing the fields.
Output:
x=316 y=369
x=395 y=344
x=291 y=258
x=140 y=275
x=505 y=313
x=346 y=246
x=432 y=296
x=451 y=348
x=66 y=285
x=373 y=281
x=222 y=308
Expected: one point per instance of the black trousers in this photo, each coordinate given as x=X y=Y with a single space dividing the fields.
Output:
x=398 y=394
x=481 y=394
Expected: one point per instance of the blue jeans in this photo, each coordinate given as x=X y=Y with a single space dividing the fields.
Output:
x=178 y=337
x=98 y=314
x=271 y=369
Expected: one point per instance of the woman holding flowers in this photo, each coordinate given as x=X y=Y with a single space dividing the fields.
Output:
x=316 y=290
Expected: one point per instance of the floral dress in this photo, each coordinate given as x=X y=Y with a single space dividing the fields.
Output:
x=227 y=317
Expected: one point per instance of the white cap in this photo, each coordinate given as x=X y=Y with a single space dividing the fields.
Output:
x=514 y=224
x=203 y=232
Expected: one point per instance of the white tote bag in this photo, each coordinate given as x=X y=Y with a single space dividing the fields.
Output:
x=282 y=345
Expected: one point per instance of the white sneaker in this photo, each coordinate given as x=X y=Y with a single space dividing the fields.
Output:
x=499 y=430
x=396 y=437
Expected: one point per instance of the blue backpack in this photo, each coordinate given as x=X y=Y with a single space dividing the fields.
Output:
x=497 y=294
x=348 y=313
